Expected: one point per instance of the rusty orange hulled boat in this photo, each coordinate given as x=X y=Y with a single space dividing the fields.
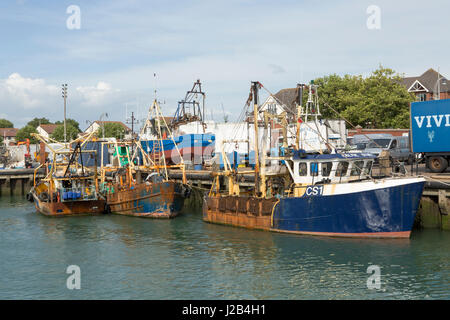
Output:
x=69 y=187
x=163 y=199
x=144 y=189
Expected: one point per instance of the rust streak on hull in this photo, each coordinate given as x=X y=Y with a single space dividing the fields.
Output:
x=246 y=212
x=158 y=200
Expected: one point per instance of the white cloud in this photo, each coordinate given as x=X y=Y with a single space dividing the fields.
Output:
x=225 y=44
x=27 y=92
x=23 y=98
x=96 y=95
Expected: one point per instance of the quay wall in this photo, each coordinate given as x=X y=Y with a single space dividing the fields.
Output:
x=16 y=182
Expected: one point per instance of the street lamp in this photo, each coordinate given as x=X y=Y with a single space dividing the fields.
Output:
x=64 y=95
x=437 y=86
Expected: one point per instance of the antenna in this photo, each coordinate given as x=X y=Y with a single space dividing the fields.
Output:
x=154 y=76
x=225 y=118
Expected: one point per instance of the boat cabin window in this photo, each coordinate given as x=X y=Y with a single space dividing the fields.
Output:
x=302 y=169
x=326 y=168
x=357 y=168
x=341 y=168
x=314 y=169
x=368 y=167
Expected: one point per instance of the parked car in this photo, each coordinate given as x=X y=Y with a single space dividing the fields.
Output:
x=398 y=147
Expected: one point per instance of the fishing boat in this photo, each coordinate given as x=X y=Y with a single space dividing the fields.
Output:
x=189 y=139
x=69 y=187
x=144 y=190
x=325 y=194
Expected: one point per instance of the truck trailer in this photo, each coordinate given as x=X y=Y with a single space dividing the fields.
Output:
x=430 y=132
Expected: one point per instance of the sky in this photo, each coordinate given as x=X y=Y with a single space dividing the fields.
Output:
x=109 y=62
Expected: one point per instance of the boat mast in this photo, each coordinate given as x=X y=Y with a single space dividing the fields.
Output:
x=255 y=87
x=299 y=114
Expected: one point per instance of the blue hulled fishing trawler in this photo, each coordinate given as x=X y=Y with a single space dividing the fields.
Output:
x=327 y=194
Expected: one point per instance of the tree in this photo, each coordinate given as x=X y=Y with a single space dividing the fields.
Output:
x=112 y=130
x=6 y=124
x=38 y=121
x=379 y=100
x=72 y=122
x=71 y=130
x=25 y=133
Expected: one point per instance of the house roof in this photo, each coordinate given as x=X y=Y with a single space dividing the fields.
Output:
x=49 y=128
x=428 y=80
x=8 y=132
x=118 y=122
x=287 y=97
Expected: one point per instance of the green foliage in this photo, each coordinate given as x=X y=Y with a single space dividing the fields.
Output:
x=38 y=121
x=6 y=124
x=72 y=122
x=112 y=130
x=71 y=130
x=25 y=133
x=378 y=101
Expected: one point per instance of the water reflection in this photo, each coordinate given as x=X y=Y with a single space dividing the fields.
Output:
x=184 y=258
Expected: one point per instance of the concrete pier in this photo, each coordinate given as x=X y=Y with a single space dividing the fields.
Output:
x=434 y=210
x=17 y=182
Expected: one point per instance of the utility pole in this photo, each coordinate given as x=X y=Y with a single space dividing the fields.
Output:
x=132 y=122
x=64 y=95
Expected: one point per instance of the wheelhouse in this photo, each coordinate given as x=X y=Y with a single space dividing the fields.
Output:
x=330 y=168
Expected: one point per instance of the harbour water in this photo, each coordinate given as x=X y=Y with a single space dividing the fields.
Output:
x=185 y=258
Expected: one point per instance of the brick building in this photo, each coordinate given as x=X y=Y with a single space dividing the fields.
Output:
x=427 y=85
x=394 y=132
x=8 y=135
